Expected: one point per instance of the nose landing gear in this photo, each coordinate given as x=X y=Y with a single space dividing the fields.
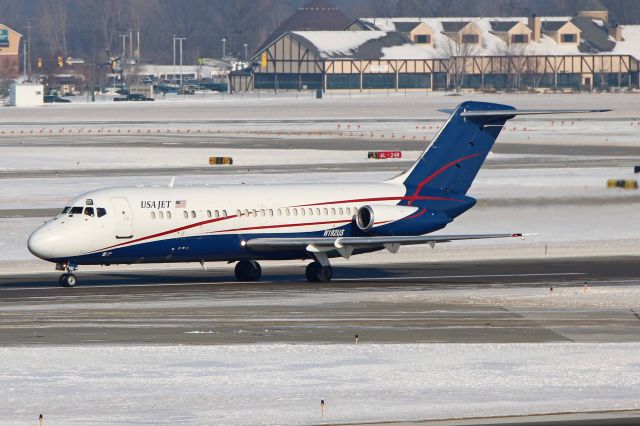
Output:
x=68 y=279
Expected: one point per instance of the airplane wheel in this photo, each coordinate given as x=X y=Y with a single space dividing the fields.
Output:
x=248 y=270
x=67 y=280
x=317 y=273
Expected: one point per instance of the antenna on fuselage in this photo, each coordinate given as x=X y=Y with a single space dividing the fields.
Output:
x=172 y=181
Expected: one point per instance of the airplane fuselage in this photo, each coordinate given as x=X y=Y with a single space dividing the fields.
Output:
x=194 y=224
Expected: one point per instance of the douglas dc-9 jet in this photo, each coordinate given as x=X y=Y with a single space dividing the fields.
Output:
x=249 y=223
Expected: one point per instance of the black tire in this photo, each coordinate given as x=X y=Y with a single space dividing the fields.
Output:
x=63 y=280
x=312 y=272
x=317 y=273
x=71 y=280
x=248 y=270
x=324 y=274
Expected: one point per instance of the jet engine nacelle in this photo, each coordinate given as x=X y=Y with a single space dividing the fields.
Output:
x=368 y=216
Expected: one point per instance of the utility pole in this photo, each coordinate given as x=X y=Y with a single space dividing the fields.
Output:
x=130 y=43
x=246 y=52
x=27 y=51
x=174 y=58
x=181 y=39
x=138 y=44
x=224 y=48
x=124 y=45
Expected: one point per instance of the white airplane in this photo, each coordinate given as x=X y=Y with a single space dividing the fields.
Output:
x=247 y=223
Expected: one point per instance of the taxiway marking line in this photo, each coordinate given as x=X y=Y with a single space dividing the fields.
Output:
x=559 y=274
x=375 y=279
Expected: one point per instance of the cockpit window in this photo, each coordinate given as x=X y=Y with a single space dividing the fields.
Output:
x=101 y=211
x=88 y=211
x=65 y=210
x=75 y=210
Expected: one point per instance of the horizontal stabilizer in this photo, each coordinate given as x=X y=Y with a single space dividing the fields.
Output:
x=514 y=112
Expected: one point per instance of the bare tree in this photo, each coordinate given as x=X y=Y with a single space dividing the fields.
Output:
x=458 y=56
x=516 y=64
x=53 y=21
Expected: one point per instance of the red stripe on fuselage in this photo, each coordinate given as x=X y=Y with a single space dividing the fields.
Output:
x=420 y=213
x=360 y=200
x=171 y=231
x=436 y=173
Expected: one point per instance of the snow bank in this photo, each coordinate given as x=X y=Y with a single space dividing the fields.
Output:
x=283 y=384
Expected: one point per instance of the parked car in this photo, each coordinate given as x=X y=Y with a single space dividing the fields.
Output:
x=133 y=97
x=49 y=99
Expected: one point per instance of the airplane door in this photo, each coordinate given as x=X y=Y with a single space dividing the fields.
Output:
x=124 y=219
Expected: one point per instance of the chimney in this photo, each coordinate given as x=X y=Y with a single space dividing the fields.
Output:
x=616 y=32
x=535 y=25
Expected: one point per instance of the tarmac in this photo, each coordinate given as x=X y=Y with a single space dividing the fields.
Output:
x=380 y=303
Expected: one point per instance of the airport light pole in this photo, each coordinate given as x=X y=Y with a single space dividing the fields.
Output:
x=181 y=39
x=224 y=48
x=246 y=52
x=174 y=58
x=124 y=45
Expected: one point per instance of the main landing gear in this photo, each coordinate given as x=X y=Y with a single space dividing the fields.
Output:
x=248 y=270
x=316 y=273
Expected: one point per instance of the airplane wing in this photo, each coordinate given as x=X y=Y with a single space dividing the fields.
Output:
x=346 y=245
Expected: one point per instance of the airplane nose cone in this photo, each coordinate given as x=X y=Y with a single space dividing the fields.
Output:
x=40 y=243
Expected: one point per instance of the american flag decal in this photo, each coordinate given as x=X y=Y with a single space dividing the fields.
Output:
x=181 y=204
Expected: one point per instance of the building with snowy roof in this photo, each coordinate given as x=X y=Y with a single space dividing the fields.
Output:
x=584 y=52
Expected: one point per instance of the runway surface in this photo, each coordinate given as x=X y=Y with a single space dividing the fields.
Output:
x=391 y=304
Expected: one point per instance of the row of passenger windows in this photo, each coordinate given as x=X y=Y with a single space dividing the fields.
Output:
x=216 y=214
x=87 y=211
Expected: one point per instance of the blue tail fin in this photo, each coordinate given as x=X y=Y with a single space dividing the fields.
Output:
x=455 y=156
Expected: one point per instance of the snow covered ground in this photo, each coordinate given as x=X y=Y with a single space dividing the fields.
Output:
x=284 y=384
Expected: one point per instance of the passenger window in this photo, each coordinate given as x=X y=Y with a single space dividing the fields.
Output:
x=153 y=215
x=168 y=215
x=88 y=211
x=193 y=214
x=348 y=210
x=310 y=211
x=209 y=214
x=333 y=211
x=217 y=214
x=302 y=212
x=160 y=215
x=279 y=212
x=295 y=212
x=318 y=212
x=270 y=212
x=185 y=214
x=253 y=213
x=101 y=212
x=288 y=212
x=262 y=213
x=224 y=213
x=341 y=211
x=76 y=210
x=245 y=212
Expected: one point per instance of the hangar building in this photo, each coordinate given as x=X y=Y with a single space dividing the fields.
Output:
x=584 y=52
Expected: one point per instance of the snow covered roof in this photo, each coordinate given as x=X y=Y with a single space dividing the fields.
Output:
x=594 y=38
x=350 y=44
x=503 y=26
